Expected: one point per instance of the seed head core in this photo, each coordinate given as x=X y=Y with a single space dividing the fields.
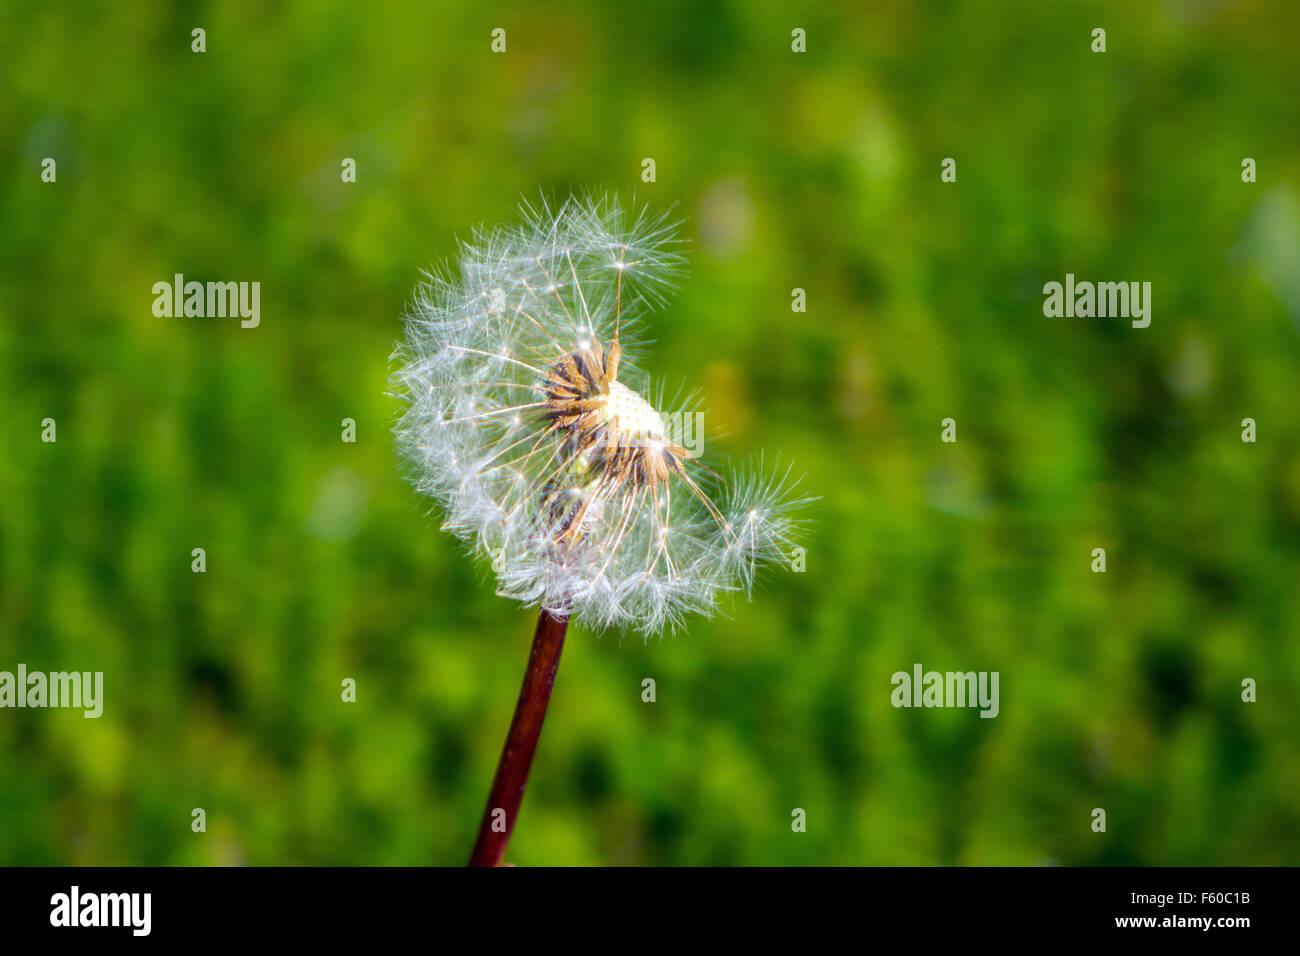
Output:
x=632 y=417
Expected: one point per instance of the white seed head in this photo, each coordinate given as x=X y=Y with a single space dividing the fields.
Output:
x=521 y=423
x=633 y=416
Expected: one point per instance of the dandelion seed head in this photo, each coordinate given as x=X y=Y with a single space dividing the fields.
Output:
x=546 y=457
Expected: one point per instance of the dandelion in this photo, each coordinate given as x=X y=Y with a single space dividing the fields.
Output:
x=528 y=421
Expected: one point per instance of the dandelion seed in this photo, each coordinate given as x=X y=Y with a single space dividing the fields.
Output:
x=552 y=462
x=590 y=553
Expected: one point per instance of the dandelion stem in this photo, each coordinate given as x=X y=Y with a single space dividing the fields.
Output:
x=521 y=742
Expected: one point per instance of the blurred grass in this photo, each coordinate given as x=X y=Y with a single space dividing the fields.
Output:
x=818 y=171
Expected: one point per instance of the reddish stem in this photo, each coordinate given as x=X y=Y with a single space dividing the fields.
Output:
x=521 y=742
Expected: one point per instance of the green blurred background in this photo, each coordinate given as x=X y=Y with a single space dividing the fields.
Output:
x=819 y=171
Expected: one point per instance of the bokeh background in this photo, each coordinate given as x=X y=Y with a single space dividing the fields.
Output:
x=818 y=171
